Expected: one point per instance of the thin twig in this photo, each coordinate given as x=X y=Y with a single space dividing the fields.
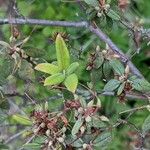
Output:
x=15 y=136
x=43 y=22
x=30 y=139
x=130 y=95
x=135 y=109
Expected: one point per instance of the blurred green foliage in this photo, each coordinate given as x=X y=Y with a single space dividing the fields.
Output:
x=40 y=47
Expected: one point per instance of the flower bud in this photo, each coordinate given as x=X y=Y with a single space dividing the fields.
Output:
x=48 y=132
x=127 y=70
x=42 y=125
x=104 y=52
x=50 y=143
x=97 y=8
x=64 y=129
x=82 y=129
x=80 y=110
x=97 y=48
x=60 y=139
x=35 y=131
x=99 y=14
x=88 y=119
x=107 y=6
x=85 y=146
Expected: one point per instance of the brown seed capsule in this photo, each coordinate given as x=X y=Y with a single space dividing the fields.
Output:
x=15 y=32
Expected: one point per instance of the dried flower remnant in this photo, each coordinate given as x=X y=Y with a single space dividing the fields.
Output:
x=123 y=4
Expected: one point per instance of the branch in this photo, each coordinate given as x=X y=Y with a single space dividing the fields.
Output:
x=128 y=95
x=135 y=109
x=80 y=24
x=11 y=138
x=43 y=22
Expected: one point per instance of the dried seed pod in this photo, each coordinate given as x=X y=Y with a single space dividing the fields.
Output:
x=123 y=4
x=15 y=32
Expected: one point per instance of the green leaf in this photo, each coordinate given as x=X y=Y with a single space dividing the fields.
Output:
x=141 y=85
x=112 y=85
x=107 y=70
x=83 y=102
x=99 y=60
x=48 y=68
x=112 y=14
x=120 y=89
x=26 y=71
x=102 y=139
x=71 y=82
x=96 y=75
x=72 y=68
x=63 y=57
x=146 y=125
x=77 y=143
x=109 y=24
x=74 y=141
x=39 y=139
x=132 y=78
x=117 y=66
x=34 y=52
x=6 y=68
x=4 y=103
x=54 y=79
x=30 y=146
x=2 y=43
x=77 y=126
x=93 y=3
x=67 y=94
x=97 y=123
x=21 y=119
x=3 y=146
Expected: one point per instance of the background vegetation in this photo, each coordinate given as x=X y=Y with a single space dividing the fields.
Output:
x=21 y=86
